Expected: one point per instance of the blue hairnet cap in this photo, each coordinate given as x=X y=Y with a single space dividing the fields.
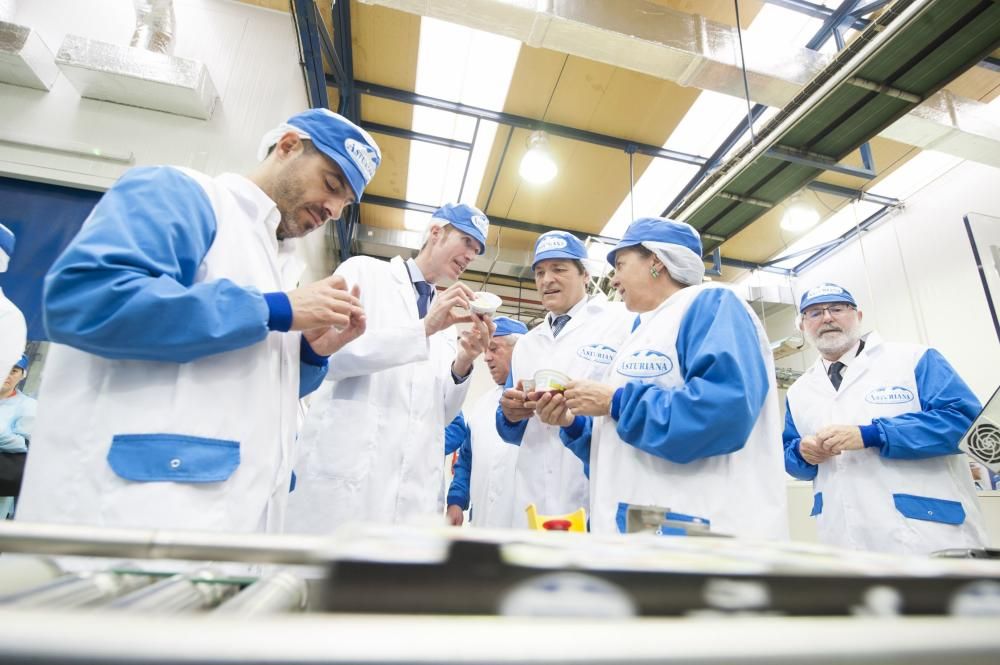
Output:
x=23 y=362
x=351 y=147
x=825 y=293
x=467 y=219
x=6 y=240
x=508 y=326
x=558 y=245
x=658 y=229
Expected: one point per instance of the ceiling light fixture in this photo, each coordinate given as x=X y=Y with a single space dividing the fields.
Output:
x=537 y=165
x=799 y=216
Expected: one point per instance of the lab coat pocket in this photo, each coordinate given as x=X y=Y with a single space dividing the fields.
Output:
x=173 y=458
x=929 y=509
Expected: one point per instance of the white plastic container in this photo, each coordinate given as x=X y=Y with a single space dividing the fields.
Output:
x=485 y=302
x=549 y=380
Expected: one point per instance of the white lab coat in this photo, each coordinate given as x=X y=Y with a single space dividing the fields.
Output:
x=372 y=444
x=187 y=416
x=857 y=504
x=547 y=474
x=13 y=334
x=741 y=493
x=491 y=482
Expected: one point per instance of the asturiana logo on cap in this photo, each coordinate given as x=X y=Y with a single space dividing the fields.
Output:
x=597 y=353
x=887 y=395
x=362 y=155
x=481 y=223
x=825 y=290
x=550 y=243
x=645 y=364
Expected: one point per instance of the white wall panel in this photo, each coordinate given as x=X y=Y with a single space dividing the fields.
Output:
x=251 y=53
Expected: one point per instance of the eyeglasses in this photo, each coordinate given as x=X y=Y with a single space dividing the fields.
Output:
x=835 y=311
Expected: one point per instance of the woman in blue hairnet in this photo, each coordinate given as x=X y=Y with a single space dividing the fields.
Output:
x=686 y=417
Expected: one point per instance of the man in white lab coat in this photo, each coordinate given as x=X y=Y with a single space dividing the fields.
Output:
x=182 y=343
x=484 y=472
x=579 y=337
x=876 y=425
x=371 y=447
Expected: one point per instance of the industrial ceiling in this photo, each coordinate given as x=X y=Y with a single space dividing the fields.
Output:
x=842 y=101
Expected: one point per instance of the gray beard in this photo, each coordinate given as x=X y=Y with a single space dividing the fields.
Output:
x=835 y=343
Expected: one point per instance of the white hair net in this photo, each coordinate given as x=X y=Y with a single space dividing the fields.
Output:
x=683 y=264
x=271 y=138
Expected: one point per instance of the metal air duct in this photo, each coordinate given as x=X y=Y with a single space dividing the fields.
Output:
x=25 y=60
x=154 y=25
x=143 y=75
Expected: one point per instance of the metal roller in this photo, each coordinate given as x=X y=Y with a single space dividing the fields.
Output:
x=282 y=592
x=77 y=590
x=178 y=593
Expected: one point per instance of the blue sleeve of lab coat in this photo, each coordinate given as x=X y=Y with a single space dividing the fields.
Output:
x=458 y=491
x=947 y=409
x=795 y=464
x=508 y=431
x=125 y=289
x=312 y=368
x=725 y=385
x=577 y=438
x=455 y=434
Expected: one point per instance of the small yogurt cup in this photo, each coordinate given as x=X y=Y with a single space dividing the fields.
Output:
x=484 y=302
x=528 y=385
x=550 y=381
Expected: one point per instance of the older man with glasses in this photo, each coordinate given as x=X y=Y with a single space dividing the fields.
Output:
x=876 y=425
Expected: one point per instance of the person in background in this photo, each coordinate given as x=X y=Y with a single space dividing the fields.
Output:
x=372 y=441
x=484 y=473
x=181 y=344
x=13 y=331
x=579 y=337
x=17 y=419
x=686 y=417
x=876 y=426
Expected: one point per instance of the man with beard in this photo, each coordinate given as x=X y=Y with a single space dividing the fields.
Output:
x=181 y=345
x=876 y=426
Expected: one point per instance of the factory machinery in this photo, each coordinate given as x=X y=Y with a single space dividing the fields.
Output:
x=72 y=594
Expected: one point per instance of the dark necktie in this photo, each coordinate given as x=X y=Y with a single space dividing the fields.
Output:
x=558 y=323
x=834 y=373
x=424 y=291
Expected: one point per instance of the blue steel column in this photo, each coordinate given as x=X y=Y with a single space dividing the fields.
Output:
x=349 y=107
x=304 y=14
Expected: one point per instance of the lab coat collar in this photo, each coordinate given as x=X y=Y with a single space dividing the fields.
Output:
x=857 y=366
x=573 y=312
x=401 y=274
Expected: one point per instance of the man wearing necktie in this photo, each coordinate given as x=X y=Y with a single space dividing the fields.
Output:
x=372 y=441
x=579 y=337
x=876 y=426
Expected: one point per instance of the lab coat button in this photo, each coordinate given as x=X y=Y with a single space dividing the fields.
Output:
x=175 y=463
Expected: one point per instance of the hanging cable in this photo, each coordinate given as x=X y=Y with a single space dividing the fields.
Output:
x=492 y=265
x=864 y=260
x=631 y=182
x=743 y=67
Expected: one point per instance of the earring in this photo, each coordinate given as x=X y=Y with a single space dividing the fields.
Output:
x=654 y=272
